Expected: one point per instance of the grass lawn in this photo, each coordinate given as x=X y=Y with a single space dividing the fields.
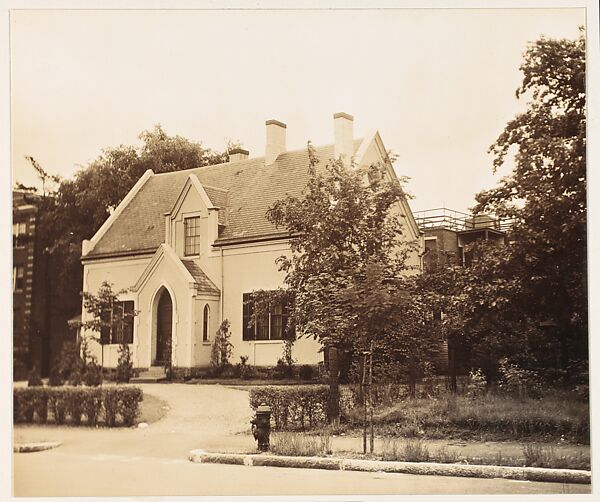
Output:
x=489 y=417
x=152 y=409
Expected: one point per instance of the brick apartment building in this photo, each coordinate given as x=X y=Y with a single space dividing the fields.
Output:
x=447 y=235
x=30 y=343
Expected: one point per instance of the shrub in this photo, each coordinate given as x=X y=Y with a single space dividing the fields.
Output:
x=74 y=404
x=128 y=406
x=293 y=407
x=93 y=374
x=518 y=381
x=110 y=401
x=306 y=372
x=92 y=405
x=33 y=377
x=23 y=406
x=125 y=364
x=477 y=383
x=76 y=376
x=93 y=402
x=55 y=379
x=221 y=347
x=40 y=405
x=58 y=405
x=69 y=361
x=244 y=371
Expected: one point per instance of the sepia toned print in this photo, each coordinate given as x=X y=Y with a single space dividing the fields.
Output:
x=300 y=252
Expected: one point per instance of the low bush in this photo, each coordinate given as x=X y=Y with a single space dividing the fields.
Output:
x=293 y=407
x=33 y=378
x=298 y=444
x=306 y=372
x=40 y=404
x=93 y=374
x=125 y=364
x=128 y=404
x=55 y=379
x=114 y=405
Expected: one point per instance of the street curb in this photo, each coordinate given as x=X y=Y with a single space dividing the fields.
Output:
x=419 y=468
x=31 y=447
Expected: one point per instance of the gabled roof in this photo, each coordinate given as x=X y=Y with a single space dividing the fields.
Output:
x=242 y=190
x=192 y=272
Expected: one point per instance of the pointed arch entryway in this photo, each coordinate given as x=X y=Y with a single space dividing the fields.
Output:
x=162 y=336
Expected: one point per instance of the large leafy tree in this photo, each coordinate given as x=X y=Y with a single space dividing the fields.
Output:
x=74 y=209
x=348 y=255
x=540 y=279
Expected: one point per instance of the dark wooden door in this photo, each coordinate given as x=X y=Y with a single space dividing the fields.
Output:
x=164 y=323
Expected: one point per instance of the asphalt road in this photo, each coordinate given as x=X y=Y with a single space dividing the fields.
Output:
x=56 y=473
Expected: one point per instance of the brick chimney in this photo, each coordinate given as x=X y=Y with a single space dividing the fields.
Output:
x=238 y=154
x=343 y=125
x=275 y=140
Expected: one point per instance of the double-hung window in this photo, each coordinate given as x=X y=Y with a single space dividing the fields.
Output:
x=18 y=277
x=192 y=235
x=274 y=325
x=118 y=325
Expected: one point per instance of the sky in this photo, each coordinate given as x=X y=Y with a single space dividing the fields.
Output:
x=439 y=85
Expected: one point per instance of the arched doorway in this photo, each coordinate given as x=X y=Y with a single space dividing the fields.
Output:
x=164 y=326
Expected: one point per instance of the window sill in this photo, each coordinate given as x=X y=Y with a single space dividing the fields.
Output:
x=265 y=342
x=206 y=343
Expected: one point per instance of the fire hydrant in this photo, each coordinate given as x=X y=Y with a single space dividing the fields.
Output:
x=261 y=426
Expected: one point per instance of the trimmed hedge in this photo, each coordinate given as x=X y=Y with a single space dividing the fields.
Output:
x=113 y=406
x=293 y=407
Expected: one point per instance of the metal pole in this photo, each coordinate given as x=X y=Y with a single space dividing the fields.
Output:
x=363 y=384
x=372 y=437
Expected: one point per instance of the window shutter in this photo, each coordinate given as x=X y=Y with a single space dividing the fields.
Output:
x=248 y=332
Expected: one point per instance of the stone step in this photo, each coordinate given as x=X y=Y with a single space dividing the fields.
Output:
x=153 y=374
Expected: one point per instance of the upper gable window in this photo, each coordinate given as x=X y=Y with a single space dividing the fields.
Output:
x=192 y=235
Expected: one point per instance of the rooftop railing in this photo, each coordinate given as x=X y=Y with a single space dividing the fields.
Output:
x=458 y=221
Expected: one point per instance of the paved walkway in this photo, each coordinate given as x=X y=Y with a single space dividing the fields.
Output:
x=199 y=416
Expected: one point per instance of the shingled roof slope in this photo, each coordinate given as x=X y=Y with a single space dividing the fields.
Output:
x=205 y=285
x=243 y=191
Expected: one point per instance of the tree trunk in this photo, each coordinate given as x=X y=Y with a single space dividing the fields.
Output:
x=412 y=377
x=333 y=405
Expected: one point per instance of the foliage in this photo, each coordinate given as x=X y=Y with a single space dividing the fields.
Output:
x=477 y=383
x=103 y=314
x=298 y=444
x=340 y=229
x=293 y=407
x=124 y=364
x=348 y=254
x=488 y=416
x=221 y=347
x=518 y=381
x=69 y=362
x=93 y=374
x=528 y=301
x=128 y=404
x=285 y=364
x=306 y=372
x=68 y=405
x=33 y=378
x=243 y=370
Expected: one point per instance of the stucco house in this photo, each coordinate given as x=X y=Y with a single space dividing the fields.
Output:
x=189 y=247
